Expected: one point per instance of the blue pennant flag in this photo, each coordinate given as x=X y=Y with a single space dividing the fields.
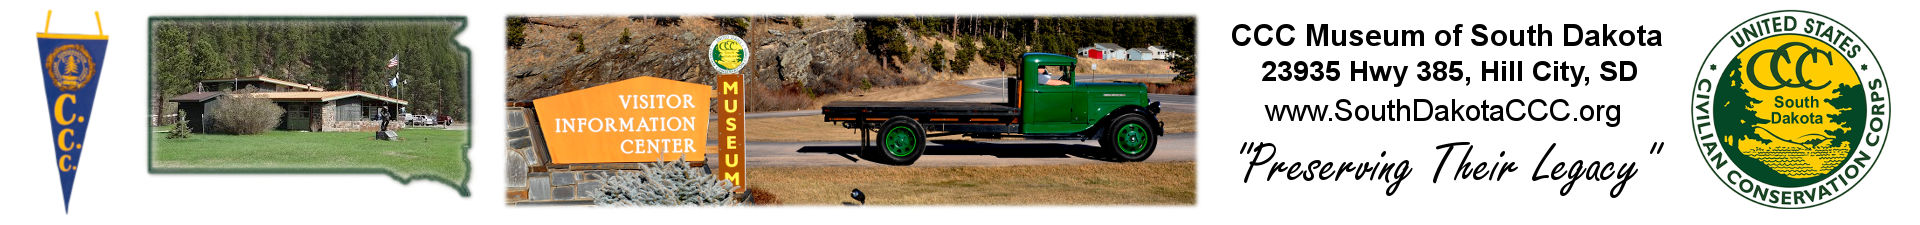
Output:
x=71 y=65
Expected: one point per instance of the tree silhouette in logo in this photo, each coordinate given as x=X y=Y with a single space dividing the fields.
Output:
x=1849 y=101
x=1730 y=95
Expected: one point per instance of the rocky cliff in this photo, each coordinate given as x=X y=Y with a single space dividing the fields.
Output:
x=789 y=64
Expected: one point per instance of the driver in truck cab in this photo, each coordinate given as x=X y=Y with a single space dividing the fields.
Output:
x=1047 y=78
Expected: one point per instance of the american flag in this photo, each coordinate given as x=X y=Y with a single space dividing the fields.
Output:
x=393 y=62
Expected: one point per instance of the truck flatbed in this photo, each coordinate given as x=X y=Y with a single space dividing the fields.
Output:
x=918 y=110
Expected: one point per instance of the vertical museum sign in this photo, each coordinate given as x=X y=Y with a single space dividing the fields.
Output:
x=728 y=54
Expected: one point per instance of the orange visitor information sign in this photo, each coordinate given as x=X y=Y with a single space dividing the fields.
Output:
x=643 y=119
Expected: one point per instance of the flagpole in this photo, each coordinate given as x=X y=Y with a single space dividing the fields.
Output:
x=393 y=89
x=396 y=81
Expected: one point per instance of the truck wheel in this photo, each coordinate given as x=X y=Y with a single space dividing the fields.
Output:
x=902 y=141
x=1129 y=139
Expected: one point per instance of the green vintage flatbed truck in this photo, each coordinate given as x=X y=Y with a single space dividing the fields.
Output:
x=1118 y=114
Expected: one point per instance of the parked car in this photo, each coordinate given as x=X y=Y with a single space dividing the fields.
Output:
x=411 y=119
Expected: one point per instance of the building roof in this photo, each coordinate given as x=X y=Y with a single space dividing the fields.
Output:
x=298 y=96
x=268 y=80
x=199 y=96
x=1108 y=46
x=323 y=96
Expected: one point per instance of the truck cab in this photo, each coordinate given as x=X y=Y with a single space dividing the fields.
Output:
x=1074 y=107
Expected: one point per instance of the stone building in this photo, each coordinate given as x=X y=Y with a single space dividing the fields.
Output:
x=308 y=108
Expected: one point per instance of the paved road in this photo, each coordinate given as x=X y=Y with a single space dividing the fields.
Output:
x=1173 y=147
x=994 y=90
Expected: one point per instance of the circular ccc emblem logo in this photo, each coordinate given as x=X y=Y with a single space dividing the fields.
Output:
x=727 y=54
x=70 y=66
x=1791 y=109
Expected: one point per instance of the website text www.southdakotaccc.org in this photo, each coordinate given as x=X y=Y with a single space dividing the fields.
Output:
x=1448 y=110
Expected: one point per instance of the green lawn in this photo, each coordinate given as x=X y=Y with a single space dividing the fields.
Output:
x=431 y=154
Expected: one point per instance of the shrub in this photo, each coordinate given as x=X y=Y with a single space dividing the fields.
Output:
x=742 y=24
x=244 y=114
x=963 y=55
x=579 y=41
x=665 y=184
x=999 y=52
x=1182 y=64
x=666 y=21
x=625 y=35
x=180 y=129
x=516 y=31
x=735 y=24
x=906 y=54
x=762 y=197
x=937 y=57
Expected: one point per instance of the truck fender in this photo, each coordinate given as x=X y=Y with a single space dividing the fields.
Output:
x=1151 y=114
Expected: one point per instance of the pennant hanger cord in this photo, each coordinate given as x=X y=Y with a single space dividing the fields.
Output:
x=97 y=25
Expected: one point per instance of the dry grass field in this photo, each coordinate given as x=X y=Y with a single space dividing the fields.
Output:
x=1159 y=183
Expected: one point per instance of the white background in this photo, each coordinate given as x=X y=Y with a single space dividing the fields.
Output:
x=114 y=186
